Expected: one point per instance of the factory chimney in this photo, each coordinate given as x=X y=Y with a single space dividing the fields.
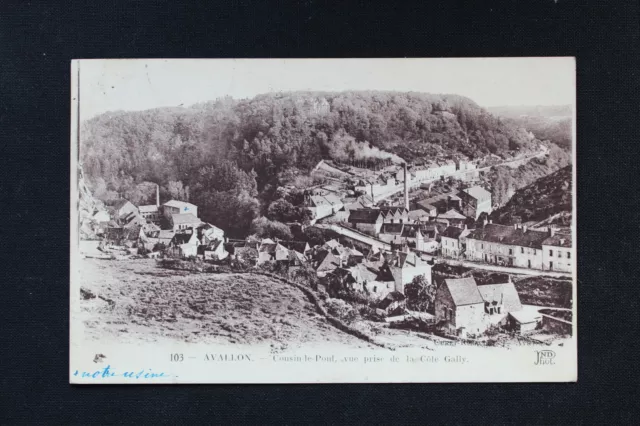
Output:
x=406 y=187
x=157 y=195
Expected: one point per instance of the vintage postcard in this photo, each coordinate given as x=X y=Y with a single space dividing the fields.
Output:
x=323 y=221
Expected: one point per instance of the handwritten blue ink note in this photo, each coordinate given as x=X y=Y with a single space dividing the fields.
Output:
x=107 y=372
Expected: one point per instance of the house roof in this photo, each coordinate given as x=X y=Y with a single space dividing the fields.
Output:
x=299 y=246
x=394 y=296
x=393 y=210
x=525 y=317
x=179 y=204
x=332 y=243
x=364 y=215
x=508 y=235
x=464 y=291
x=478 y=192
x=148 y=208
x=329 y=262
x=402 y=259
x=184 y=218
x=452 y=214
x=297 y=256
x=452 y=232
x=333 y=199
x=505 y=294
x=558 y=240
x=181 y=238
x=166 y=234
x=116 y=204
x=417 y=214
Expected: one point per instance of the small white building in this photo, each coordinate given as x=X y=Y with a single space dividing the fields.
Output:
x=179 y=207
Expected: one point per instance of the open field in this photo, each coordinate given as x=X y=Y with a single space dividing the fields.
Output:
x=135 y=301
x=544 y=291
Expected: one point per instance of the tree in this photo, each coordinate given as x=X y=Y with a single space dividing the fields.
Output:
x=420 y=294
x=176 y=191
x=265 y=228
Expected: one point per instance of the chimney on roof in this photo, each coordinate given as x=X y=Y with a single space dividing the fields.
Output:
x=552 y=231
x=484 y=222
x=490 y=220
x=406 y=187
x=515 y=225
x=524 y=228
x=157 y=195
x=561 y=241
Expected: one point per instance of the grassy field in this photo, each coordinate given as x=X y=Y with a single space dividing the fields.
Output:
x=544 y=291
x=137 y=301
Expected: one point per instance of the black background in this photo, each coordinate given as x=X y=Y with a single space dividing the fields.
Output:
x=37 y=43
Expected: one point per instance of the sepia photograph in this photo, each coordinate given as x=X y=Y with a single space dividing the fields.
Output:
x=323 y=220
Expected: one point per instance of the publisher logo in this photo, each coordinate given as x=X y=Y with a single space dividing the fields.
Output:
x=545 y=357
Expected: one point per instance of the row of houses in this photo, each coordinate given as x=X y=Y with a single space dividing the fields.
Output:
x=511 y=245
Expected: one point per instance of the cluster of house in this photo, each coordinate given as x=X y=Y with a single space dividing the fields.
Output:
x=171 y=229
x=327 y=200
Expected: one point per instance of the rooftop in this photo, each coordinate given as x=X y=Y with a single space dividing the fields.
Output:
x=464 y=291
x=478 y=192
x=452 y=214
x=509 y=235
x=184 y=218
x=559 y=240
x=151 y=208
x=452 y=232
x=364 y=215
x=179 y=204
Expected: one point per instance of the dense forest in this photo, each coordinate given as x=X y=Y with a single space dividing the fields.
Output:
x=544 y=198
x=231 y=156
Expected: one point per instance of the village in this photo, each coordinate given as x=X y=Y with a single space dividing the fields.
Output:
x=391 y=230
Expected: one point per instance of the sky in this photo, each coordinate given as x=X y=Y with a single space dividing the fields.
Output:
x=139 y=84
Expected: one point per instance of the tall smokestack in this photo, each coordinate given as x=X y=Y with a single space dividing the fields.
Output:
x=406 y=187
x=157 y=195
x=373 y=198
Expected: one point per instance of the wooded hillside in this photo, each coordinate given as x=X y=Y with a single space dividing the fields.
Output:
x=545 y=197
x=240 y=151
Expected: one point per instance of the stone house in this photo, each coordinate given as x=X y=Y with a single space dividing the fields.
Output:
x=452 y=218
x=557 y=252
x=184 y=244
x=459 y=307
x=453 y=241
x=475 y=200
x=391 y=303
x=120 y=208
x=368 y=221
x=404 y=267
x=213 y=250
x=268 y=252
x=464 y=307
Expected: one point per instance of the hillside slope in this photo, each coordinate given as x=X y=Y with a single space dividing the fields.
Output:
x=551 y=123
x=547 y=196
x=136 y=301
x=275 y=132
